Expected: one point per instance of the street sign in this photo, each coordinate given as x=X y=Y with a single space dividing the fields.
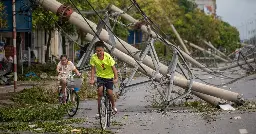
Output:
x=23 y=16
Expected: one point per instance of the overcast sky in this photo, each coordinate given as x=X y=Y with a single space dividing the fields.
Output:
x=238 y=13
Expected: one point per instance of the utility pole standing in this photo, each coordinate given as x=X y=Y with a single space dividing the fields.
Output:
x=14 y=34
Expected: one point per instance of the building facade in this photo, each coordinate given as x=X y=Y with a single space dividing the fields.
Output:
x=208 y=6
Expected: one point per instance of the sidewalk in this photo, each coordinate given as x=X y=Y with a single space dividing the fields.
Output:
x=7 y=91
x=25 y=84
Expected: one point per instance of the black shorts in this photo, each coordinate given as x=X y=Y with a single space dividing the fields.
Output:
x=104 y=81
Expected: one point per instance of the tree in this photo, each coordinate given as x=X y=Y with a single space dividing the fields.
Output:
x=44 y=20
x=190 y=22
x=3 y=21
x=47 y=21
x=227 y=36
x=187 y=6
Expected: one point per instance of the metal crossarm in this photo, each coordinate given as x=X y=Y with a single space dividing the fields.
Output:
x=171 y=71
x=154 y=58
x=111 y=35
x=142 y=56
x=149 y=49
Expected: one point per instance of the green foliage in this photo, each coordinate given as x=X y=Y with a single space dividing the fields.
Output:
x=36 y=111
x=227 y=36
x=3 y=15
x=200 y=106
x=33 y=104
x=27 y=113
x=38 y=69
x=43 y=19
x=248 y=105
x=187 y=6
x=191 y=23
x=35 y=95
x=87 y=91
x=58 y=126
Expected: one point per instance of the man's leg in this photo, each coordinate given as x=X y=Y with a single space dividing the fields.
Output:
x=111 y=96
x=109 y=87
x=100 y=94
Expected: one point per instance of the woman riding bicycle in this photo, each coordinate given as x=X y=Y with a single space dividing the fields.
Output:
x=64 y=69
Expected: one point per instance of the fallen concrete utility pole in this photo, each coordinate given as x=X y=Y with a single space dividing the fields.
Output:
x=78 y=20
x=203 y=50
x=144 y=28
x=179 y=38
x=211 y=46
x=236 y=64
x=203 y=91
x=210 y=99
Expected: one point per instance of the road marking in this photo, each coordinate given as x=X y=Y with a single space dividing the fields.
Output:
x=243 y=131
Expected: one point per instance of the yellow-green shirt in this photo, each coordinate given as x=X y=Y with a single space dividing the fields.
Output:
x=103 y=67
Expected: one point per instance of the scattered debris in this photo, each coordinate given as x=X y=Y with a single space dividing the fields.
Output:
x=227 y=107
x=237 y=117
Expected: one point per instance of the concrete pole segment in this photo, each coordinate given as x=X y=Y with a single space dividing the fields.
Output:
x=210 y=99
x=203 y=50
x=179 y=38
x=236 y=64
x=211 y=46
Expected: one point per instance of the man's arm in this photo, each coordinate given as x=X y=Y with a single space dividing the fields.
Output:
x=92 y=75
x=115 y=74
x=92 y=72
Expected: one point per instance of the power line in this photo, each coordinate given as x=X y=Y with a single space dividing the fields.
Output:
x=129 y=53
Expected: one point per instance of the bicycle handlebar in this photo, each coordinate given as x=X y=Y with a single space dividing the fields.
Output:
x=69 y=75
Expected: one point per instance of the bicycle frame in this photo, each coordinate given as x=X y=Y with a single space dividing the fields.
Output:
x=68 y=97
x=105 y=100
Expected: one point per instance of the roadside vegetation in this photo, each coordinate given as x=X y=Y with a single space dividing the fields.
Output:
x=37 y=110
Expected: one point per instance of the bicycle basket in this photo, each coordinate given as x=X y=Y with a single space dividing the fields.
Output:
x=76 y=83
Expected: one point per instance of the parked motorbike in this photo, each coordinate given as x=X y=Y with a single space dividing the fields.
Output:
x=6 y=73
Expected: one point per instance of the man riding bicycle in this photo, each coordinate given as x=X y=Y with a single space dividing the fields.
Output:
x=106 y=72
x=64 y=69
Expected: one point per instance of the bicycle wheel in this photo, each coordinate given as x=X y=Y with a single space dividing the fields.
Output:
x=109 y=113
x=73 y=99
x=103 y=110
x=60 y=95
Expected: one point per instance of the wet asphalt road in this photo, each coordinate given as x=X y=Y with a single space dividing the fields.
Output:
x=135 y=115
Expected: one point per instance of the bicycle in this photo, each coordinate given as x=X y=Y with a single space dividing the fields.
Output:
x=105 y=109
x=73 y=85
